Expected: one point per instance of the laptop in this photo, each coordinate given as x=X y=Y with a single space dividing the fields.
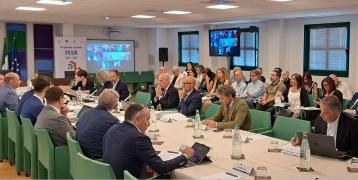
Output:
x=322 y=145
x=83 y=109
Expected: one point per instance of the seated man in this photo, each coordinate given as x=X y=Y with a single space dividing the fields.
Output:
x=85 y=84
x=94 y=123
x=8 y=97
x=353 y=106
x=165 y=94
x=271 y=91
x=232 y=111
x=23 y=99
x=117 y=84
x=34 y=104
x=126 y=147
x=190 y=99
x=239 y=85
x=333 y=122
x=177 y=78
x=53 y=117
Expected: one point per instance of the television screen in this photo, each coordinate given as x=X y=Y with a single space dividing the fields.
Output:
x=224 y=42
x=107 y=55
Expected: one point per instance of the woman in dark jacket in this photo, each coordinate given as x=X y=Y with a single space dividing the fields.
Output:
x=329 y=88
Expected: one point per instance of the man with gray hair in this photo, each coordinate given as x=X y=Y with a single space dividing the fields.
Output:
x=232 y=111
x=165 y=94
x=126 y=147
x=94 y=123
x=8 y=97
x=333 y=122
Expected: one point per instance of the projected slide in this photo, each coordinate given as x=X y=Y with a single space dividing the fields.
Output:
x=107 y=55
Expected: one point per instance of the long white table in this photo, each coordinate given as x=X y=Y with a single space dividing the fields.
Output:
x=279 y=166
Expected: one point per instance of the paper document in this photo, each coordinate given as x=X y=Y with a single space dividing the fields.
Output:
x=223 y=175
x=168 y=155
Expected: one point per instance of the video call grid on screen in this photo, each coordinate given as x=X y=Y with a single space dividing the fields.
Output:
x=110 y=54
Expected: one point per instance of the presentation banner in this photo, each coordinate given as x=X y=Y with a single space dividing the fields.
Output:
x=70 y=52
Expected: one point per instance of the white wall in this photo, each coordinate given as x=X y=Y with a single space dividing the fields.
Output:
x=281 y=44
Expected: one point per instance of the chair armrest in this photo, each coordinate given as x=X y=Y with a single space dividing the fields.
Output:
x=268 y=133
x=260 y=130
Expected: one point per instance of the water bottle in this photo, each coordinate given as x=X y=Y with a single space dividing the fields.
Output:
x=277 y=99
x=159 y=107
x=236 y=144
x=153 y=120
x=197 y=125
x=305 y=153
x=119 y=106
x=79 y=95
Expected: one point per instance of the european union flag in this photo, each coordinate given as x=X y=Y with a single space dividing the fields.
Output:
x=14 y=62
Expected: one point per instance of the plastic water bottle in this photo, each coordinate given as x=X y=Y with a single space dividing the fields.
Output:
x=197 y=125
x=236 y=144
x=79 y=95
x=153 y=120
x=277 y=100
x=305 y=153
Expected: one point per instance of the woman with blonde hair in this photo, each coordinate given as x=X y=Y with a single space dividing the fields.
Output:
x=221 y=78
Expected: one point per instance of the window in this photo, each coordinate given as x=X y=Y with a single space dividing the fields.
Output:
x=43 y=49
x=16 y=41
x=188 y=48
x=326 y=49
x=249 y=50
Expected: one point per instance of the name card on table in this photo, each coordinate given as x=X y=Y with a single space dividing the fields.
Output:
x=290 y=150
x=245 y=168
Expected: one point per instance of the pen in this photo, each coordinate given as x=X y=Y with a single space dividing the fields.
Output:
x=231 y=174
x=173 y=152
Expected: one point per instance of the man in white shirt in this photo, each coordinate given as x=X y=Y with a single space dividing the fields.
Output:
x=239 y=85
x=345 y=89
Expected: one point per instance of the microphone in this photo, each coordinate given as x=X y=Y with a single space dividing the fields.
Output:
x=92 y=94
x=126 y=99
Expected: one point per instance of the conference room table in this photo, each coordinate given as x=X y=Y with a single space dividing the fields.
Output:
x=279 y=165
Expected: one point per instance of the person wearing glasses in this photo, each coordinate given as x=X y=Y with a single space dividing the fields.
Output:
x=190 y=98
x=126 y=147
x=53 y=117
x=255 y=89
x=94 y=123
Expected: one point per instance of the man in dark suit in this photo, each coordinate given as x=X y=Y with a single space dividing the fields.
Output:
x=126 y=147
x=117 y=84
x=53 y=117
x=93 y=124
x=342 y=126
x=8 y=97
x=34 y=104
x=190 y=99
x=165 y=94
x=353 y=106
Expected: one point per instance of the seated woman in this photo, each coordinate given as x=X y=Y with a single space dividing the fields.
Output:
x=329 y=88
x=255 y=89
x=207 y=82
x=102 y=78
x=297 y=97
x=221 y=78
x=310 y=86
x=82 y=82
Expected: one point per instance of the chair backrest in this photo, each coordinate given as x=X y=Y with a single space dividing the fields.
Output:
x=30 y=141
x=14 y=127
x=45 y=147
x=131 y=77
x=128 y=176
x=146 y=77
x=260 y=119
x=285 y=127
x=211 y=110
x=91 y=169
x=73 y=149
x=143 y=98
x=311 y=100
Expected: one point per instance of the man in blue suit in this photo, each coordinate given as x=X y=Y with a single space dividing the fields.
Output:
x=8 y=97
x=34 y=104
x=353 y=105
x=117 y=84
x=126 y=147
x=190 y=99
x=93 y=124
x=165 y=94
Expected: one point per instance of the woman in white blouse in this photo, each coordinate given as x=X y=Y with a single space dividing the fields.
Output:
x=297 y=97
